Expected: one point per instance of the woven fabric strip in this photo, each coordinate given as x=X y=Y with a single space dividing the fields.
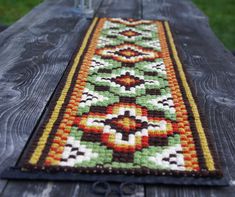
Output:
x=124 y=107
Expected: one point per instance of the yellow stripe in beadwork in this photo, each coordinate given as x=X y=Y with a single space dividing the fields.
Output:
x=203 y=139
x=43 y=139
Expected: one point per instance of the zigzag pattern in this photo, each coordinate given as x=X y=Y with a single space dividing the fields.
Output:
x=125 y=108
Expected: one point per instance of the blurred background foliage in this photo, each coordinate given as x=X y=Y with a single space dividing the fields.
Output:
x=12 y=10
x=221 y=15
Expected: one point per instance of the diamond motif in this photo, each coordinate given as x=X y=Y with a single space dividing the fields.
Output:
x=129 y=22
x=124 y=110
x=126 y=34
x=129 y=33
x=128 y=53
x=128 y=81
x=126 y=127
x=125 y=124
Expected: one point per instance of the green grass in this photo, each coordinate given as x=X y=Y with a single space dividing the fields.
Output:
x=222 y=19
x=221 y=15
x=12 y=10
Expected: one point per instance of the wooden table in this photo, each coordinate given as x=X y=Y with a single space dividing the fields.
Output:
x=35 y=51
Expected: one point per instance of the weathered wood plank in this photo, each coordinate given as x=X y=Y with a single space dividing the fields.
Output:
x=38 y=189
x=36 y=66
x=212 y=73
x=211 y=68
x=121 y=8
x=34 y=53
x=169 y=191
x=85 y=190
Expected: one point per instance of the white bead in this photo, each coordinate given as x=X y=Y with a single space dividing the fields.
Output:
x=144 y=132
x=70 y=140
x=132 y=139
x=106 y=129
x=82 y=148
x=71 y=162
x=132 y=89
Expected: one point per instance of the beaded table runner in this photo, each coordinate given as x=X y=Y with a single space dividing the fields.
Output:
x=124 y=107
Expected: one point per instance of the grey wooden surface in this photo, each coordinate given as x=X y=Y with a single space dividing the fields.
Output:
x=35 y=51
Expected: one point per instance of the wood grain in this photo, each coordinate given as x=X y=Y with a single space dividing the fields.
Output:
x=120 y=8
x=31 y=71
x=211 y=68
x=85 y=190
x=35 y=51
x=39 y=189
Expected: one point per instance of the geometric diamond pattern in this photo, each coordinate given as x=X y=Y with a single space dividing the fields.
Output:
x=125 y=108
